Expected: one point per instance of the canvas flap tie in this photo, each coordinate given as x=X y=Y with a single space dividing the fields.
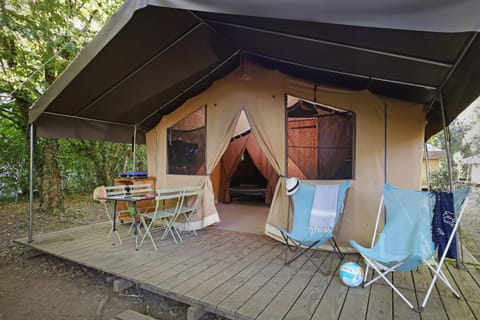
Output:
x=324 y=208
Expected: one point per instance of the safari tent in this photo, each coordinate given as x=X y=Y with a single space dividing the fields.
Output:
x=403 y=70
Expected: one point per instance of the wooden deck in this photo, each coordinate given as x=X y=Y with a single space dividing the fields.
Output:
x=242 y=276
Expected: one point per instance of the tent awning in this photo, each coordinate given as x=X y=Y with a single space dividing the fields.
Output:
x=153 y=55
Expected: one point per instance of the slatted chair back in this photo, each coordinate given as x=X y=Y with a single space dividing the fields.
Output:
x=167 y=207
x=192 y=196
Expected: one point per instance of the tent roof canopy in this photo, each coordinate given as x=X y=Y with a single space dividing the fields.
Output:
x=153 y=55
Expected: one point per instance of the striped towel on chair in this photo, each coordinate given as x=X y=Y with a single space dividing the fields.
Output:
x=324 y=208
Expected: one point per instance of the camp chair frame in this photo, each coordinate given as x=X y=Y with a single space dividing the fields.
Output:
x=167 y=215
x=122 y=190
x=187 y=210
x=299 y=247
x=109 y=192
x=463 y=195
x=430 y=262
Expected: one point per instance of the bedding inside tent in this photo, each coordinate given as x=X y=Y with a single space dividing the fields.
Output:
x=246 y=182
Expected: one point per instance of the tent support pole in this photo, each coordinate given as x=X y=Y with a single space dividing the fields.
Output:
x=427 y=166
x=331 y=43
x=446 y=133
x=385 y=114
x=30 y=187
x=356 y=75
x=134 y=148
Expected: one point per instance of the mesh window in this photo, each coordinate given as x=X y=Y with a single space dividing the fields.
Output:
x=186 y=144
x=320 y=141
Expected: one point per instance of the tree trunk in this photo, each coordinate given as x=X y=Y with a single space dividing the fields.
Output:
x=51 y=184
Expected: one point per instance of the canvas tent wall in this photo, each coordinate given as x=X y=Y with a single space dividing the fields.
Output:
x=389 y=141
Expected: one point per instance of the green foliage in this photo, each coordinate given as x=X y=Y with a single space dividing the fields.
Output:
x=440 y=180
x=38 y=39
x=87 y=164
x=461 y=147
x=14 y=161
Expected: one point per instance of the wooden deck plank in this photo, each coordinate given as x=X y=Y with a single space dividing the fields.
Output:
x=270 y=248
x=466 y=283
x=264 y=295
x=151 y=261
x=206 y=269
x=68 y=238
x=151 y=258
x=307 y=301
x=356 y=303
x=434 y=309
x=404 y=282
x=248 y=289
x=457 y=309
x=207 y=280
x=380 y=303
x=225 y=290
x=289 y=294
x=177 y=264
x=181 y=265
x=331 y=304
x=442 y=288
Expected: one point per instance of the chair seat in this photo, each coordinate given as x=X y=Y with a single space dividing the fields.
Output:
x=181 y=210
x=387 y=260
x=159 y=214
x=307 y=238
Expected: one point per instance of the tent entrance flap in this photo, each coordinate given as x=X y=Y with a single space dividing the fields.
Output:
x=244 y=173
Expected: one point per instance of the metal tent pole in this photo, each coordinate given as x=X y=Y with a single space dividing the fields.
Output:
x=446 y=133
x=427 y=166
x=30 y=208
x=134 y=148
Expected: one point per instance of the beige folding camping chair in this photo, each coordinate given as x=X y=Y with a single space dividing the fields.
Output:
x=167 y=207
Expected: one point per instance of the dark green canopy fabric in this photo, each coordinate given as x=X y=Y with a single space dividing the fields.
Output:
x=153 y=55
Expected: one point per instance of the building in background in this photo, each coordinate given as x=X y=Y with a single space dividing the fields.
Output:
x=434 y=156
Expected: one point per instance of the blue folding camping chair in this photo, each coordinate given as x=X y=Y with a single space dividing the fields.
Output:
x=405 y=242
x=316 y=212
